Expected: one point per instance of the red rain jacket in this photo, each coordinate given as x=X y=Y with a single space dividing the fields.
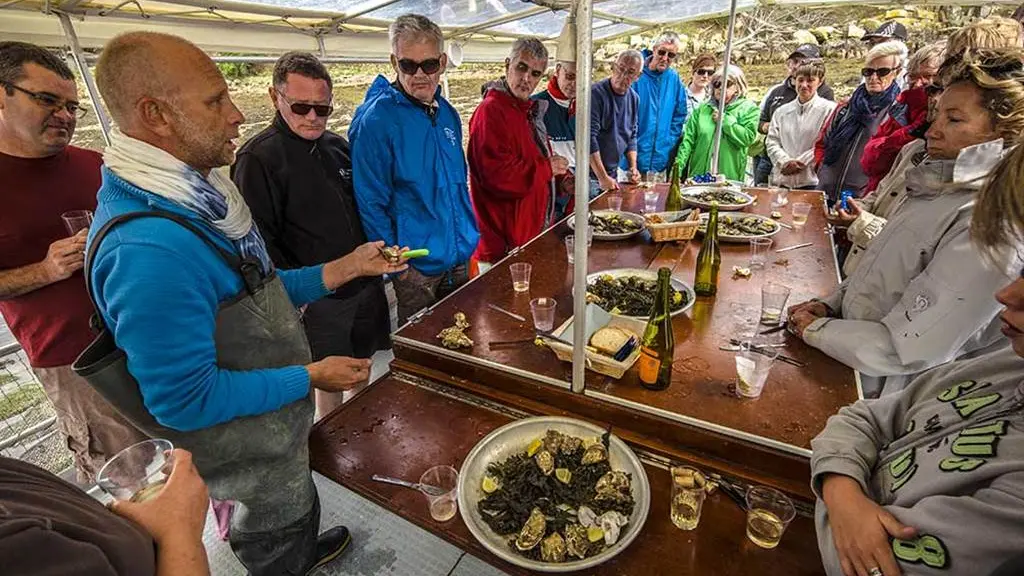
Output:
x=509 y=172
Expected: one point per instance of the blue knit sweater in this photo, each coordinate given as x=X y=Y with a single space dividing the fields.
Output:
x=159 y=288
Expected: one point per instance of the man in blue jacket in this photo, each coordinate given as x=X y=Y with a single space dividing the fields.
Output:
x=663 y=106
x=410 y=169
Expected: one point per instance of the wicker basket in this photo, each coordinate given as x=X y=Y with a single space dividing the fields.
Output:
x=595 y=361
x=674 y=231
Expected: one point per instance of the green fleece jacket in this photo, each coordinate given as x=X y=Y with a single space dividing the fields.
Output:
x=738 y=132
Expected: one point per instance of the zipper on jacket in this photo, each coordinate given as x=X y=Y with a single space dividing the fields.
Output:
x=654 y=143
x=893 y=452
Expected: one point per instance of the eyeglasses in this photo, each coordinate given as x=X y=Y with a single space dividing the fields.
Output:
x=704 y=72
x=629 y=73
x=429 y=66
x=880 y=72
x=302 y=108
x=933 y=89
x=54 y=103
x=671 y=55
x=717 y=84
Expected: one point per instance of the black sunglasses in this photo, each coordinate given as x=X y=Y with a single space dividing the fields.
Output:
x=704 y=72
x=880 y=72
x=429 y=66
x=54 y=103
x=933 y=89
x=717 y=84
x=671 y=55
x=302 y=108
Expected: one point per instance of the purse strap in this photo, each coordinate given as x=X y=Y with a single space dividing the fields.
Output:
x=249 y=268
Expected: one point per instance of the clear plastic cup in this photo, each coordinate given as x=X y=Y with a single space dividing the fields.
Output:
x=543 y=310
x=651 y=198
x=773 y=302
x=520 y=276
x=570 y=248
x=801 y=210
x=138 y=472
x=759 y=249
x=76 y=220
x=614 y=201
x=688 y=495
x=769 y=513
x=780 y=197
x=752 y=368
x=442 y=492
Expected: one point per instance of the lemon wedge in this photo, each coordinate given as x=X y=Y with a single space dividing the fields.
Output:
x=534 y=447
x=563 y=475
x=595 y=533
x=490 y=484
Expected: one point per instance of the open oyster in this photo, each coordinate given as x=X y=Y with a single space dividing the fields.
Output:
x=532 y=531
x=613 y=482
x=576 y=540
x=595 y=453
x=552 y=548
x=545 y=461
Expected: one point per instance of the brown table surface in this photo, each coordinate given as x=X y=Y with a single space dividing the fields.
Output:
x=796 y=401
x=399 y=429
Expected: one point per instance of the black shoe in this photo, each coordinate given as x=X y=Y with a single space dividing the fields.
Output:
x=330 y=545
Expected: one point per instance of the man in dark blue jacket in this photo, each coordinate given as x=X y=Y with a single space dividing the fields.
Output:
x=410 y=169
x=663 y=107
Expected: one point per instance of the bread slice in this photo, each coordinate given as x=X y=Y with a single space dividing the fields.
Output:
x=609 y=340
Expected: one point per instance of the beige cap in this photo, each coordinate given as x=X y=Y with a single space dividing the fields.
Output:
x=566 y=50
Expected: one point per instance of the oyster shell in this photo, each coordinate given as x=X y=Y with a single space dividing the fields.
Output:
x=454 y=337
x=587 y=517
x=532 y=531
x=570 y=444
x=594 y=454
x=545 y=461
x=612 y=523
x=553 y=441
x=576 y=540
x=613 y=482
x=552 y=548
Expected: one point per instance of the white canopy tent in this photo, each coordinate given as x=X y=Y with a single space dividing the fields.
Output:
x=356 y=30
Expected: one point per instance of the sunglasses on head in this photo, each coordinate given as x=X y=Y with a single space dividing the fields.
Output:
x=429 y=66
x=302 y=108
x=671 y=55
x=704 y=72
x=880 y=72
x=933 y=89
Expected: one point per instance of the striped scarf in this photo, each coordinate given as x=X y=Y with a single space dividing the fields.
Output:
x=214 y=198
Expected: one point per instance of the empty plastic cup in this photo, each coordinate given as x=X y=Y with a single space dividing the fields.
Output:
x=801 y=210
x=759 y=249
x=442 y=494
x=615 y=201
x=76 y=220
x=543 y=310
x=138 y=472
x=520 y=276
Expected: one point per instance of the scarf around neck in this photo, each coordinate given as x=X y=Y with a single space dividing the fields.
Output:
x=215 y=198
x=862 y=109
x=559 y=96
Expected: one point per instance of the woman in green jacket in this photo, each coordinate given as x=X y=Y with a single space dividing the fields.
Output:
x=739 y=130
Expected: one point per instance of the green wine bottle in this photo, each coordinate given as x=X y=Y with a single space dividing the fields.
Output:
x=658 y=345
x=674 y=201
x=709 y=260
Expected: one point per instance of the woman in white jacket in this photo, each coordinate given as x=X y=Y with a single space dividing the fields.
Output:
x=921 y=296
x=795 y=128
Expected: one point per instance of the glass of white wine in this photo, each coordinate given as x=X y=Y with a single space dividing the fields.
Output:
x=440 y=485
x=520 y=276
x=138 y=472
x=769 y=512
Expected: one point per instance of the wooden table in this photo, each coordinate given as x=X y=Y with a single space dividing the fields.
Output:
x=396 y=428
x=437 y=404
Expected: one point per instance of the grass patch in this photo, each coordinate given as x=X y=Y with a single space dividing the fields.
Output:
x=20 y=400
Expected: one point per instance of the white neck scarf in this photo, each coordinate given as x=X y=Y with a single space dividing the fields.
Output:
x=215 y=198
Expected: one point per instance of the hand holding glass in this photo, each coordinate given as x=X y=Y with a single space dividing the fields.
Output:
x=138 y=472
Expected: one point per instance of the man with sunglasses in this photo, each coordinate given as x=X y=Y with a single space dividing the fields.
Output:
x=780 y=95
x=296 y=177
x=511 y=164
x=410 y=169
x=42 y=294
x=662 y=107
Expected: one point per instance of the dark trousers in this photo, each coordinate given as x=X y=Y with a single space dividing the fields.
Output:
x=762 y=170
x=287 y=551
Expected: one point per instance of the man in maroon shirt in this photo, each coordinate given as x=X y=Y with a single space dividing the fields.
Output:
x=42 y=291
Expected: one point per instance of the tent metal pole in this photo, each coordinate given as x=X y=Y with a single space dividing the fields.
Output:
x=584 y=76
x=83 y=69
x=725 y=85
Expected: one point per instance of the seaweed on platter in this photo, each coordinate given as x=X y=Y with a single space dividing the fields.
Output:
x=632 y=295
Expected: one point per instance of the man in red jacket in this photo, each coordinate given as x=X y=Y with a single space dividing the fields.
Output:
x=511 y=165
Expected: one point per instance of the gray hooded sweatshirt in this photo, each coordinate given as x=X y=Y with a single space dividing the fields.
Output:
x=944 y=456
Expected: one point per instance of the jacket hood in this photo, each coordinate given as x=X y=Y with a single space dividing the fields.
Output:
x=652 y=73
x=383 y=88
x=967 y=172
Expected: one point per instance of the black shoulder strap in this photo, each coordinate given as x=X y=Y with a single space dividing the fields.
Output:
x=232 y=260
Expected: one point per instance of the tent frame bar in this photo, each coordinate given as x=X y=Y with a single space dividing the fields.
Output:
x=83 y=69
x=584 y=76
x=716 y=147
